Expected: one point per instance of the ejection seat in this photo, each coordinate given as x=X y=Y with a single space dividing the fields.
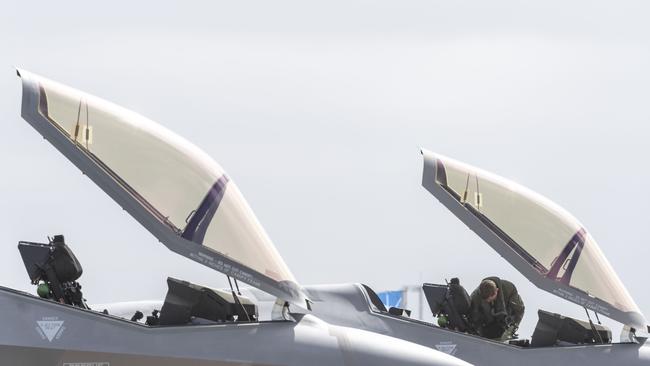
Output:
x=55 y=269
x=450 y=302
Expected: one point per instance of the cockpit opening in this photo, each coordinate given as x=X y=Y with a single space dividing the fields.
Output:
x=55 y=270
x=450 y=304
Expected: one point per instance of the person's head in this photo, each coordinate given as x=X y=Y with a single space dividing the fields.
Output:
x=488 y=290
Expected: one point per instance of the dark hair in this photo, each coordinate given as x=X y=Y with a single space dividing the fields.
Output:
x=487 y=288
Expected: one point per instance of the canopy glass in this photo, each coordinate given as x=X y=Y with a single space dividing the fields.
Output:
x=176 y=182
x=547 y=237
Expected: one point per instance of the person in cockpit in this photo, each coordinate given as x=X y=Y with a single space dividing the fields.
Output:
x=496 y=309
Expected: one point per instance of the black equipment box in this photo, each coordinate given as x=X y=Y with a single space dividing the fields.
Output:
x=554 y=328
x=185 y=300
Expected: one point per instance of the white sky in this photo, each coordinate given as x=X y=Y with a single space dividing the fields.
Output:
x=317 y=111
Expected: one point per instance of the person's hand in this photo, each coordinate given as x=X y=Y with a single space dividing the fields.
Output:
x=511 y=332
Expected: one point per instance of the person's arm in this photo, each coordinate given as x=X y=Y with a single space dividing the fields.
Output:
x=475 y=312
x=516 y=307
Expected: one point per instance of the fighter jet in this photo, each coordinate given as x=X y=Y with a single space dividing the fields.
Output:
x=186 y=200
x=544 y=242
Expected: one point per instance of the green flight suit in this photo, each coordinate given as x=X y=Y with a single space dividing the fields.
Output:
x=500 y=319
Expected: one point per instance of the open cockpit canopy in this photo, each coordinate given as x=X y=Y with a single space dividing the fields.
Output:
x=169 y=185
x=539 y=238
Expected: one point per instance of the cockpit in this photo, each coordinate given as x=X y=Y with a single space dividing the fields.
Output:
x=54 y=269
x=450 y=305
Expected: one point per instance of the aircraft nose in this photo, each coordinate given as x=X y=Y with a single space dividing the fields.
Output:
x=367 y=348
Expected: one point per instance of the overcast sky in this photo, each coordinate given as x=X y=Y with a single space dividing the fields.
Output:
x=318 y=110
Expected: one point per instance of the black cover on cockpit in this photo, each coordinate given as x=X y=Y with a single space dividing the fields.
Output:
x=185 y=301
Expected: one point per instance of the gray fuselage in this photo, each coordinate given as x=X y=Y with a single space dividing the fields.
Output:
x=349 y=305
x=38 y=331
